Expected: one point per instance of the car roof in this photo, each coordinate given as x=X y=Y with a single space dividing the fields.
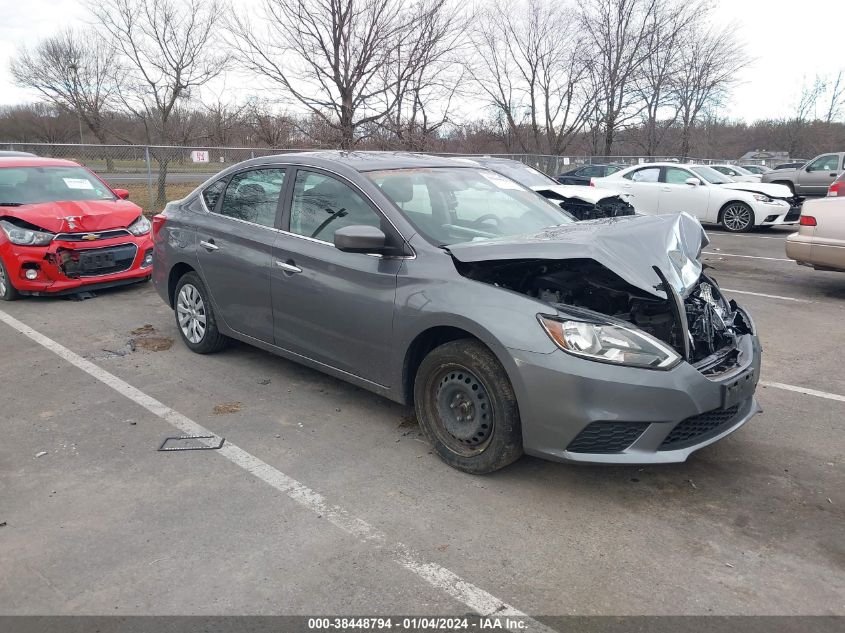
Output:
x=358 y=161
x=35 y=161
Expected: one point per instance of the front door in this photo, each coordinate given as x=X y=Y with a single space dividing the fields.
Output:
x=677 y=196
x=330 y=306
x=644 y=186
x=816 y=177
x=236 y=239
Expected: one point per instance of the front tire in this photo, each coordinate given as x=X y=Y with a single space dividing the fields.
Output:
x=467 y=408
x=737 y=217
x=7 y=291
x=195 y=317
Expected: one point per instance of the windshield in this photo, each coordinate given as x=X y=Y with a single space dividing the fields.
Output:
x=742 y=170
x=523 y=174
x=708 y=174
x=32 y=185
x=449 y=205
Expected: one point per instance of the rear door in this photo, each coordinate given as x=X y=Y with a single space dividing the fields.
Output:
x=236 y=239
x=815 y=178
x=644 y=185
x=328 y=305
x=677 y=196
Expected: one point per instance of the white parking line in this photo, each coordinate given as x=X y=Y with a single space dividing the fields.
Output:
x=773 y=259
x=763 y=294
x=804 y=390
x=436 y=575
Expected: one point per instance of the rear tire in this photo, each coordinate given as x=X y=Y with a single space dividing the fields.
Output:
x=737 y=217
x=195 y=317
x=7 y=291
x=467 y=408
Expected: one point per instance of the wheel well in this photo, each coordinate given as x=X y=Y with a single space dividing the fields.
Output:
x=729 y=203
x=419 y=349
x=176 y=273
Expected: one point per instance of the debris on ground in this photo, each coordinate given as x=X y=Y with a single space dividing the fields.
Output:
x=41 y=454
x=191 y=443
x=443 y=547
x=2 y=524
x=81 y=296
x=692 y=483
x=143 y=330
x=265 y=381
x=406 y=421
x=154 y=343
x=226 y=408
x=729 y=565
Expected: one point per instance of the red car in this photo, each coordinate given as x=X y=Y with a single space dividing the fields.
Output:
x=63 y=230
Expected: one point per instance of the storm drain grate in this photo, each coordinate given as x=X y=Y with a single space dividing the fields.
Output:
x=606 y=437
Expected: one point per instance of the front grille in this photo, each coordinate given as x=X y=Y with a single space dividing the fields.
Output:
x=95 y=262
x=793 y=215
x=607 y=437
x=699 y=428
x=86 y=237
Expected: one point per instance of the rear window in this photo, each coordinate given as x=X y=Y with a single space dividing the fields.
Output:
x=33 y=185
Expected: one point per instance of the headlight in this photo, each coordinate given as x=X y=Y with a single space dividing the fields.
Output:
x=139 y=227
x=26 y=237
x=759 y=197
x=610 y=343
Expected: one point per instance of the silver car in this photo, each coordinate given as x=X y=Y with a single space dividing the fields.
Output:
x=509 y=327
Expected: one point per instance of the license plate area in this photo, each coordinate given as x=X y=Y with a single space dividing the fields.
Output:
x=92 y=262
x=740 y=388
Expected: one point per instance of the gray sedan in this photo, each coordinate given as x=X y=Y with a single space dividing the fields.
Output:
x=509 y=327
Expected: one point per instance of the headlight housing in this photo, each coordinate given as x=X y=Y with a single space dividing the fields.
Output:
x=608 y=343
x=140 y=227
x=25 y=237
x=759 y=197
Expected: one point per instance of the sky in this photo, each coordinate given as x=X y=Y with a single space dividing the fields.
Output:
x=790 y=42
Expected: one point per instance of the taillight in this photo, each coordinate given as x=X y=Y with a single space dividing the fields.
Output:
x=837 y=188
x=158 y=221
x=807 y=220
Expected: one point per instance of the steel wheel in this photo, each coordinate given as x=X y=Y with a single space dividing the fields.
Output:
x=190 y=311
x=7 y=291
x=3 y=283
x=464 y=410
x=737 y=217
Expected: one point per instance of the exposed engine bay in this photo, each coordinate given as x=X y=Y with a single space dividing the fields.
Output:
x=712 y=324
x=608 y=207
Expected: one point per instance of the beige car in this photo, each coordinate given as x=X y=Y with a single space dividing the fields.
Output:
x=820 y=240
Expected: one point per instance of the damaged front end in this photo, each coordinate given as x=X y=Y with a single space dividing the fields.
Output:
x=589 y=207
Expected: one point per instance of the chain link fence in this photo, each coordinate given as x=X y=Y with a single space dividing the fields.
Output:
x=154 y=175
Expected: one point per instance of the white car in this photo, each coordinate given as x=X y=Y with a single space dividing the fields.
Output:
x=737 y=173
x=662 y=188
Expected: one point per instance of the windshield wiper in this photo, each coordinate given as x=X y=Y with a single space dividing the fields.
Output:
x=11 y=204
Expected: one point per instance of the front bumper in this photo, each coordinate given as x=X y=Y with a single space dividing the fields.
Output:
x=630 y=415
x=777 y=213
x=57 y=268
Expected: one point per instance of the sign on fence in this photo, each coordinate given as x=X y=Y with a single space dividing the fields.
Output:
x=199 y=156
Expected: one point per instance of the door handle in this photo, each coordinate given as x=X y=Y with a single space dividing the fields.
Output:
x=288 y=268
x=209 y=246
x=665 y=189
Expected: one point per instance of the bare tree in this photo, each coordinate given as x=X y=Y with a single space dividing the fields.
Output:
x=532 y=71
x=329 y=55
x=269 y=127
x=710 y=58
x=170 y=50
x=836 y=100
x=221 y=120
x=76 y=72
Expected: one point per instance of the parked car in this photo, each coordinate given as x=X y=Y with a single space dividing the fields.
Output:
x=837 y=187
x=712 y=197
x=793 y=165
x=63 y=230
x=583 y=203
x=756 y=169
x=820 y=240
x=737 y=173
x=508 y=326
x=581 y=175
x=6 y=153
x=812 y=179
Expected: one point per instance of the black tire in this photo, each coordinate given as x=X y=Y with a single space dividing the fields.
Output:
x=7 y=291
x=205 y=340
x=737 y=217
x=467 y=408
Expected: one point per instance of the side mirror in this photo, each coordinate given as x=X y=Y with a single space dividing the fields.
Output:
x=359 y=238
x=692 y=182
x=123 y=194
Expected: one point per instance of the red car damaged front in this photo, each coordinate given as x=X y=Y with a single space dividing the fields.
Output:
x=63 y=246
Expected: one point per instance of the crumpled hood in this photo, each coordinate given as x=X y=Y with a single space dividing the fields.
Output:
x=85 y=215
x=579 y=192
x=766 y=188
x=630 y=246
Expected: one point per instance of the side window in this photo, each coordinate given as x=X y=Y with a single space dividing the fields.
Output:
x=589 y=171
x=825 y=163
x=253 y=196
x=211 y=193
x=676 y=176
x=725 y=170
x=322 y=204
x=611 y=169
x=646 y=174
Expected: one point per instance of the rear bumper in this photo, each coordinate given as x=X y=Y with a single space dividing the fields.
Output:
x=53 y=265
x=646 y=416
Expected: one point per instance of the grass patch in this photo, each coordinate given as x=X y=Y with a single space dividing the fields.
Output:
x=140 y=194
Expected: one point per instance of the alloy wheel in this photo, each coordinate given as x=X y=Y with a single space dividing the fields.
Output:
x=737 y=217
x=3 y=282
x=464 y=409
x=190 y=310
